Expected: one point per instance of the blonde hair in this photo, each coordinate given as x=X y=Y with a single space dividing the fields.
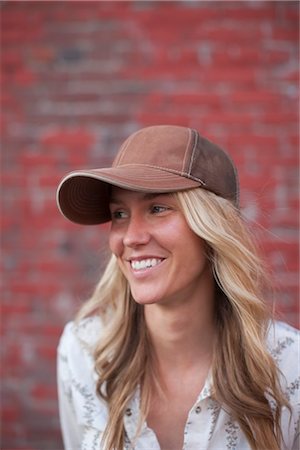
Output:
x=245 y=377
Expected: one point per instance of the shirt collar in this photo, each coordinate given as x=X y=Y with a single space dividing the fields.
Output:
x=132 y=412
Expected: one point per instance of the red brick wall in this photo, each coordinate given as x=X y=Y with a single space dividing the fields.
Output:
x=78 y=77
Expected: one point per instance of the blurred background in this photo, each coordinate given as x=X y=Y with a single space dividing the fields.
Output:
x=77 y=79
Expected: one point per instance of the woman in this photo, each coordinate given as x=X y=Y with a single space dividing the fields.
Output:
x=175 y=349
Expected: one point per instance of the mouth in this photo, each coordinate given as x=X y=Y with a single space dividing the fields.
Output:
x=143 y=264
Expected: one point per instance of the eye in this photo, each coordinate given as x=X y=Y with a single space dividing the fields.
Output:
x=118 y=214
x=157 y=209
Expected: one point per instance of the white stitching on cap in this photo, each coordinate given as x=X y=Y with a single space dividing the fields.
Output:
x=165 y=169
x=185 y=153
x=193 y=153
x=97 y=177
x=237 y=181
x=123 y=148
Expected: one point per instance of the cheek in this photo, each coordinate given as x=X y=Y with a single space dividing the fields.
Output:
x=115 y=242
x=194 y=247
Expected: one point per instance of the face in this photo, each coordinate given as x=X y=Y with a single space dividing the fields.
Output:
x=161 y=257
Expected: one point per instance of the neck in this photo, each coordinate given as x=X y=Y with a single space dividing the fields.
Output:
x=182 y=336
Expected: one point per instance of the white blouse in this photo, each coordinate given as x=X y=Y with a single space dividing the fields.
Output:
x=83 y=414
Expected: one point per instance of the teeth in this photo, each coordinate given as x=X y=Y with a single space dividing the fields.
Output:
x=145 y=263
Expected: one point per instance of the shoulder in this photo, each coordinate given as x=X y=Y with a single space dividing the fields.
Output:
x=76 y=372
x=82 y=335
x=283 y=340
x=76 y=348
x=284 y=346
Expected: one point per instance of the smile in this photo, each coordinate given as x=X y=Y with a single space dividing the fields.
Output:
x=145 y=263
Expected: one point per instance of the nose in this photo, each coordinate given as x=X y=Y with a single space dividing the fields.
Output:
x=137 y=232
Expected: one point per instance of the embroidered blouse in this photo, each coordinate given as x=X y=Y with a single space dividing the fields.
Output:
x=83 y=415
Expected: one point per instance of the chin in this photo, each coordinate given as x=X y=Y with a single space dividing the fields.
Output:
x=142 y=300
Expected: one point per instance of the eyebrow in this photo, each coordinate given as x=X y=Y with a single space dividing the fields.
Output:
x=146 y=196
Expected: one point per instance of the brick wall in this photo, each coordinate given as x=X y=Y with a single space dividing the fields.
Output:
x=78 y=77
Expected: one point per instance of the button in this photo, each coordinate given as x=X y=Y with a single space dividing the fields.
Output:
x=128 y=412
x=198 y=410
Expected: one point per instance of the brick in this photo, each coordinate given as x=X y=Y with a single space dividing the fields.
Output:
x=253 y=13
x=10 y=414
x=229 y=35
x=249 y=56
x=277 y=118
x=25 y=78
x=12 y=60
x=285 y=34
x=47 y=352
x=42 y=392
x=75 y=139
x=13 y=309
x=255 y=97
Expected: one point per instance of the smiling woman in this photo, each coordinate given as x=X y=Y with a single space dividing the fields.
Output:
x=176 y=348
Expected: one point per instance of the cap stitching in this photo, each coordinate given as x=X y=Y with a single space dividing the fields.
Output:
x=165 y=169
x=193 y=153
x=186 y=151
x=123 y=149
x=237 y=183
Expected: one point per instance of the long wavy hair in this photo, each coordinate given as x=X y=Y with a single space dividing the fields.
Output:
x=245 y=377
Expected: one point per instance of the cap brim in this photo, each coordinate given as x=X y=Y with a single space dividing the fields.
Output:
x=83 y=196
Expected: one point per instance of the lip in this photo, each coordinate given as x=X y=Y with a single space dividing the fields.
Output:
x=141 y=257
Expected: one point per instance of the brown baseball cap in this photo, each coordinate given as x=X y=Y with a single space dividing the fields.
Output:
x=162 y=158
